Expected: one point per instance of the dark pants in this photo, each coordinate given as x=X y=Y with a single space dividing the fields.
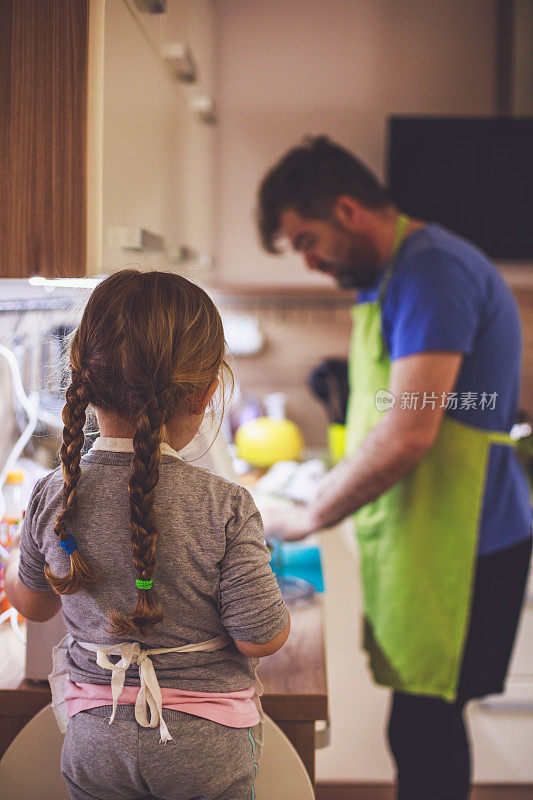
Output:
x=427 y=736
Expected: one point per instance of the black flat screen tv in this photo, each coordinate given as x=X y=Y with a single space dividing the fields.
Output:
x=473 y=175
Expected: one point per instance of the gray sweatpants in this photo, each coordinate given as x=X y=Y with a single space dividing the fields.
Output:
x=123 y=761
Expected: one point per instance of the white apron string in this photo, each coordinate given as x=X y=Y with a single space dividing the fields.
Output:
x=150 y=692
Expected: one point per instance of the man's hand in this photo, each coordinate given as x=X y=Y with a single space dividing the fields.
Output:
x=289 y=524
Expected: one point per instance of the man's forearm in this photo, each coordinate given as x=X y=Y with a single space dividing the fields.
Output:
x=385 y=456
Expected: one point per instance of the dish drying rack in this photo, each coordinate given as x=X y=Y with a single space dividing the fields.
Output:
x=35 y=413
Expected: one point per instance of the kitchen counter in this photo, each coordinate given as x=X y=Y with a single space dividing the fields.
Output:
x=294 y=681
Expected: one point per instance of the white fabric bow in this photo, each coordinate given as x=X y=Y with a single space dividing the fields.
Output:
x=150 y=692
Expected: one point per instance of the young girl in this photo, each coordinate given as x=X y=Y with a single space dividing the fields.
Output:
x=153 y=560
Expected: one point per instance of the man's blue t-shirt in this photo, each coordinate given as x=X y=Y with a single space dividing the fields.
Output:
x=445 y=295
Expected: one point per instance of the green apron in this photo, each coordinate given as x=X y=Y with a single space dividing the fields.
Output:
x=418 y=540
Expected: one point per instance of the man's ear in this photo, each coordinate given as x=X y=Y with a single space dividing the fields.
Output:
x=347 y=211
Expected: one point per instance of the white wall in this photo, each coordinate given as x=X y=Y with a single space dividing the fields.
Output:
x=287 y=68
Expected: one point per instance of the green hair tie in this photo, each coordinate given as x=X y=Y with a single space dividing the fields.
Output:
x=144 y=584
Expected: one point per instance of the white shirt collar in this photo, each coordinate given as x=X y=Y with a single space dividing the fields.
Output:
x=118 y=445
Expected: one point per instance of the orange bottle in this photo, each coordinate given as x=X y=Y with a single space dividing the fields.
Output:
x=13 y=492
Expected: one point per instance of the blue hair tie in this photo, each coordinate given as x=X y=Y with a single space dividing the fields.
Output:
x=69 y=545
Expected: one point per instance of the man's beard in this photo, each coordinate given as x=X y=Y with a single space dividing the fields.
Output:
x=359 y=268
x=362 y=278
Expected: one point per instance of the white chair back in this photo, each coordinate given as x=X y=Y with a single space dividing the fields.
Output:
x=282 y=775
x=30 y=766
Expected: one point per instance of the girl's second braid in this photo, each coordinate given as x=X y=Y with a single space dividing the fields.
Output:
x=145 y=475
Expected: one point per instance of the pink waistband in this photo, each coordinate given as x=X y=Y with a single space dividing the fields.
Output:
x=238 y=709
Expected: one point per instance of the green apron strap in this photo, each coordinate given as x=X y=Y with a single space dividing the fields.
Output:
x=500 y=437
x=401 y=226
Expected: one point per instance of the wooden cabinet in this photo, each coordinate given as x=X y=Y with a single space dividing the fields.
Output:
x=43 y=96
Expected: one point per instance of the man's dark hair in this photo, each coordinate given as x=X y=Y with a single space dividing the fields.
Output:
x=308 y=179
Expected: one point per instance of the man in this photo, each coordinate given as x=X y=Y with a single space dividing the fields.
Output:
x=443 y=513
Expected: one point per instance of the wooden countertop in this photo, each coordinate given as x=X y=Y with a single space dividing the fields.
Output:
x=294 y=678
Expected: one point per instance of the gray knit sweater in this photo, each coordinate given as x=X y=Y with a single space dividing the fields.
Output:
x=213 y=572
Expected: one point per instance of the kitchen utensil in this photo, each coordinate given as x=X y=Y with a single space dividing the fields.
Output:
x=329 y=382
